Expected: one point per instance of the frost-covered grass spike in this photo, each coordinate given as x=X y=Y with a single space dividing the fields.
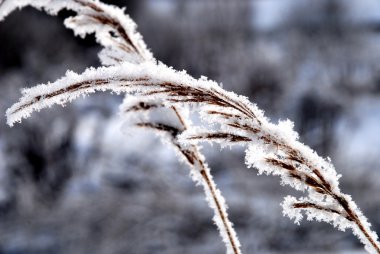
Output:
x=152 y=114
x=116 y=32
x=148 y=78
x=271 y=148
x=113 y=29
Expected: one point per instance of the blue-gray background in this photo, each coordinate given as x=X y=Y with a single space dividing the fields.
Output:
x=71 y=182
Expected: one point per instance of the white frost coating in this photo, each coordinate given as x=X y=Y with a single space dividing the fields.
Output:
x=256 y=156
x=52 y=7
x=113 y=29
x=288 y=210
x=124 y=78
x=315 y=214
x=7 y=6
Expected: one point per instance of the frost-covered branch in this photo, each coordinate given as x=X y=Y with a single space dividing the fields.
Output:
x=227 y=119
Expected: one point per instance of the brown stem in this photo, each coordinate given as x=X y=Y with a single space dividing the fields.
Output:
x=355 y=218
x=207 y=178
x=222 y=215
x=319 y=183
x=351 y=214
x=306 y=205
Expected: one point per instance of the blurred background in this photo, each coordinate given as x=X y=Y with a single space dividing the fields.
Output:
x=72 y=182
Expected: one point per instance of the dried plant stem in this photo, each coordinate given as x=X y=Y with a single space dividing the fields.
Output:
x=362 y=228
x=199 y=170
x=115 y=31
x=209 y=184
x=316 y=181
x=222 y=214
x=272 y=149
x=350 y=213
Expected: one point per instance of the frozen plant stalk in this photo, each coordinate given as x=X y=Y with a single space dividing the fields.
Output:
x=170 y=122
x=116 y=32
x=270 y=148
